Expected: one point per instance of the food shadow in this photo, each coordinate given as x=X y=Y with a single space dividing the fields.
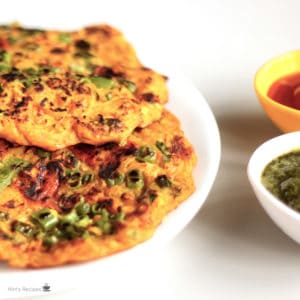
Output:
x=232 y=211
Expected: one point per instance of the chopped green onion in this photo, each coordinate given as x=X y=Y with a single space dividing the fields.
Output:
x=115 y=179
x=120 y=216
x=147 y=196
x=102 y=82
x=82 y=208
x=72 y=232
x=4 y=68
x=164 y=150
x=152 y=195
x=28 y=82
x=43 y=153
x=104 y=214
x=74 y=179
x=84 y=222
x=65 y=38
x=57 y=232
x=52 y=227
x=70 y=218
x=145 y=154
x=46 y=218
x=7 y=57
x=106 y=227
x=163 y=181
x=134 y=179
x=97 y=209
x=104 y=223
x=85 y=234
x=23 y=228
x=31 y=72
x=77 y=68
x=87 y=178
x=50 y=240
x=129 y=85
x=11 y=40
x=9 y=169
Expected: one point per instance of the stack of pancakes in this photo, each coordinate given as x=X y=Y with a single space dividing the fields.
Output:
x=90 y=160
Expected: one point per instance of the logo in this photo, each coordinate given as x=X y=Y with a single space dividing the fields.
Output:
x=46 y=287
x=30 y=289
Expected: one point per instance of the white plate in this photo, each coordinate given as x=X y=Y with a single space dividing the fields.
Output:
x=200 y=127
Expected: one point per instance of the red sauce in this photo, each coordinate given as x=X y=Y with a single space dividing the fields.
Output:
x=286 y=91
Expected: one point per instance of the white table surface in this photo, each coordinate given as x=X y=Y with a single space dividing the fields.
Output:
x=231 y=249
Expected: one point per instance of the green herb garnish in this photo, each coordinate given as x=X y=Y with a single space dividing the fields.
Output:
x=102 y=82
x=129 y=85
x=164 y=150
x=116 y=178
x=145 y=154
x=65 y=38
x=45 y=218
x=9 y=169
x=163 y=181
x=43 y=153
x=134 y=179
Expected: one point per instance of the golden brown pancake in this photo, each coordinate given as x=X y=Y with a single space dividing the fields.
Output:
x=54 y=111
x=63 y=88
x=86 y=202
x=99 y=49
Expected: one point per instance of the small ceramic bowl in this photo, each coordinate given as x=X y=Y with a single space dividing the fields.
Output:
x=284 y=216
x=287 y=119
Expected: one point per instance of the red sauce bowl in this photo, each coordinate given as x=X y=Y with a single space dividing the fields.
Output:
x=276 y=84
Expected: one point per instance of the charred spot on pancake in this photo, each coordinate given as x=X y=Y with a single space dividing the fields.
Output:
x=38 y=86
x=105 y=203
x=13 y=75
x=107 y=72
x=108 y=146
x=67 y=202
x=179 y=148
x=54 y=83
x=10 y=204
x=82 y=45
x=150 y=97
x=107 y=170
x=128 y=149
x=104 y=30
x=57 y=50
x=55 y=167
x=41 y=182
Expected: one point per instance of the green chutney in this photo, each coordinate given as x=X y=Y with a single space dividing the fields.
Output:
x=282 y=178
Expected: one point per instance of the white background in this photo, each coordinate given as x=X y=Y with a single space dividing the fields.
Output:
x=231 y=249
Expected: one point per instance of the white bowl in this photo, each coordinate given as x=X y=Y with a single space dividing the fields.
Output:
x=285 y=217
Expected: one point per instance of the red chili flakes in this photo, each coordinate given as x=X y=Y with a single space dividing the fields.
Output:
x=54 y=83
x=4 y=44
x=179 y=148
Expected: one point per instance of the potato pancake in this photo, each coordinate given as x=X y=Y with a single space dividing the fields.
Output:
x=86 y=202
x=98 y=50
x=54 y=111
x=63 y=88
